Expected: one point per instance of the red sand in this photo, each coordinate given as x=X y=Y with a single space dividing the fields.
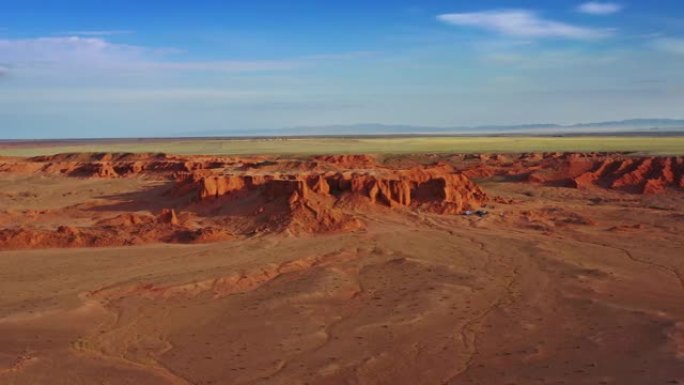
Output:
x=320 y=195
x=162 y=269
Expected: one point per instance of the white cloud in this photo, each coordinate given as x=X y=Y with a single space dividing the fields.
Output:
x=135 y=95
x=552 y=59
x=522 y=23
x=108 y=32
x=95 y=53
x=65 y=50
x=597 y=8
x=669 y=45
x=223 y=66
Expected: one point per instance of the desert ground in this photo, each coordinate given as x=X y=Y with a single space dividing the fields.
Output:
x=425 y=266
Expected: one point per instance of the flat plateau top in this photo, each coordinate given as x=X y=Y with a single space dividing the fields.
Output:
x=652 y=145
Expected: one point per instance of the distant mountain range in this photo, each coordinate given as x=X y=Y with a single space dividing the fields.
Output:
x=654 y=126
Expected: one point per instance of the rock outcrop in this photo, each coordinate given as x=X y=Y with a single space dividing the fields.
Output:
x=313 y=202
x=631 y=174
x=431 y=189
x=218 y=198
x=190 y=199
x=112 y=165
x=642 y=175
x=350 y=161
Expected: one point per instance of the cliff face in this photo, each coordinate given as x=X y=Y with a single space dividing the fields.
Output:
x=364 y=175
x=112 y=165
x=216 y=198
x=209 y=198
x=631 y=174
x=642 y=175
x=639 y=175
x=432 y=189
x=313 y=202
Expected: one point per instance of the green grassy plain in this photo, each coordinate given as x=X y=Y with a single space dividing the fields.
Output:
x=389 y=145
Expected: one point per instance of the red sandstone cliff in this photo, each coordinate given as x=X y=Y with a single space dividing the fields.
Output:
x=430 y=189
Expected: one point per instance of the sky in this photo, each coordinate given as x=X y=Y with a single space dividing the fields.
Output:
x=113 y=68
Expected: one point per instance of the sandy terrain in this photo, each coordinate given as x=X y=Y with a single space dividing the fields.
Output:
x=159 y=269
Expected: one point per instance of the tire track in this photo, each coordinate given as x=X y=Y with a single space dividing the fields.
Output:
x=469 y=332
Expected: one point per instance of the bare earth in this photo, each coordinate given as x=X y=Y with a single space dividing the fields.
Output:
x=160 y=269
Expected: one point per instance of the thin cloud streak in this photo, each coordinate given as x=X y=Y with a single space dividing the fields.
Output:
x=127 y=95
x=600 y=9
x=218 y=66
x=111 y=32
x=523 y=23
x=95 y=53
x=72 y=49
x=92 y=54
x=669 y=45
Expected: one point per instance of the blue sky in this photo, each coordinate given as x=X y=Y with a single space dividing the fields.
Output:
x=94 y=68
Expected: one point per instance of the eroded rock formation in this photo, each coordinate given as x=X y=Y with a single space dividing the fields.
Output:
x=189 y=199
x=643 y=175
x=432 y=189
x=631 y=174
x=207 y=198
